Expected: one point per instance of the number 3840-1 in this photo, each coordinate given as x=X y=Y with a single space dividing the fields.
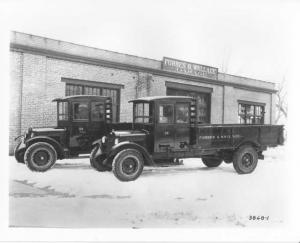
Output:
x=252 y=217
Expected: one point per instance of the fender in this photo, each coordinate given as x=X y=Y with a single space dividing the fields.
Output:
x=97 y=142
x=126 y=144
x=59 y=149
x=244 y=142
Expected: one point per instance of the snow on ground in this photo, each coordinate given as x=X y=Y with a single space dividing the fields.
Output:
x=72 y=194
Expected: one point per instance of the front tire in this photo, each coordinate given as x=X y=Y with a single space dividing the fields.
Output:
x=97 y=163
x=40 y=156
x=212 y=162
x=245 y=160
x=128 y=164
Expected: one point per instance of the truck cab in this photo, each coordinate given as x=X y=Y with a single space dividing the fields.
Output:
x=81 y=120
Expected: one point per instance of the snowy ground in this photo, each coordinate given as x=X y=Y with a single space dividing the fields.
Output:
x=72 y=194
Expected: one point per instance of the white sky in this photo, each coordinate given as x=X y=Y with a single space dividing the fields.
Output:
x=247 y=38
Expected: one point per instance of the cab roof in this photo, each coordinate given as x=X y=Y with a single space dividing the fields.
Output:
x=80 y=97
x=154 y=98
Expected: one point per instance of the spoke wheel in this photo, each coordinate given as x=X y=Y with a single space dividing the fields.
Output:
x=245 y=159
x=128 y=164
x=40 y=156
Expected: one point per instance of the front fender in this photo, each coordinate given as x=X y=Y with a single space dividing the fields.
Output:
x=97 y=142
x=59 y=149
x=126 y=145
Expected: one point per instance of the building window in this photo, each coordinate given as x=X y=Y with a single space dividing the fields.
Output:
x=78 y=89
x=251 y=113
x=203 y=102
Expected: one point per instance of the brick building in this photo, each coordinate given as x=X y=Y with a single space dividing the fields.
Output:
x=42 y=69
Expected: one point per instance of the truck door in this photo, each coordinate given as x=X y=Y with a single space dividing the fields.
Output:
x=182 y=126
x=79 y=139
x=164 y=132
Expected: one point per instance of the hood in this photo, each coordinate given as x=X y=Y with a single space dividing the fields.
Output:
x=129 y=133
x=47 y=129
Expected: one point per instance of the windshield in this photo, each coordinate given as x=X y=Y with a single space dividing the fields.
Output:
x=142 y=113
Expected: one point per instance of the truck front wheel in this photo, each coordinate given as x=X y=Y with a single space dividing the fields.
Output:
x=245 y=159
x=97 y=163
x=212 y=162
x=128 y=164
x=40 y=156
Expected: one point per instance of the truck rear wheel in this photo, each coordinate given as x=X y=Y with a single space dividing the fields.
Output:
x=128 y=164
x=97 y=163
x=40 y=156
x=212 y=162
x=245 y=159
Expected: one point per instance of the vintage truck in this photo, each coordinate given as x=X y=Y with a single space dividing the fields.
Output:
x=166 y=129
x=81 y=120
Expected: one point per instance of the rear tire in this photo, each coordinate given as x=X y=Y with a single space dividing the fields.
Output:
x=97 y=163
x=128 y=164
x=19 y=154
x=212 y=162
x=40 y=156
x=245 y=159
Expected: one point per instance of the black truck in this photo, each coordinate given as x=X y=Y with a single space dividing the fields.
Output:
x=165 y=129
x=81 y=120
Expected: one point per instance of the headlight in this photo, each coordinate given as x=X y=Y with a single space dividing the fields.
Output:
x=103 y=139
x=116 y=141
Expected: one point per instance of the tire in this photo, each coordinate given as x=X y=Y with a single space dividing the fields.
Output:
x=245 y=160
x=212 y=162
x=128 y=164
x=19 y=154
x=40 y=156
x=96 y=163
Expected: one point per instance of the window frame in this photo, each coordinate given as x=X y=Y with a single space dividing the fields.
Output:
x=254 y=116
x=91 y=111
x=188 y=112
x=88 y=113
x=173 y=115
x=150 y=118
x=66 y=114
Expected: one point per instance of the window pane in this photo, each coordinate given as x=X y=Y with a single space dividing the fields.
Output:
x=63 y=111
x=166 y=113
x=80 y=111
x=97 y=111
x=182 y=113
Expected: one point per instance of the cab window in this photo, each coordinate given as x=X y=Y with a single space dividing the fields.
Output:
x=80 y=111
x=182 y=113
x=97 y=111
x=142 y=113
x=63 y=113
x=166 y=113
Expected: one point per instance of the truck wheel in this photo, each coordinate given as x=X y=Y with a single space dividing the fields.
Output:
x=128 y=164
x=96 y=163
x=212 y=162
x=245 y=159
x=40 y=156
x=19 y=154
